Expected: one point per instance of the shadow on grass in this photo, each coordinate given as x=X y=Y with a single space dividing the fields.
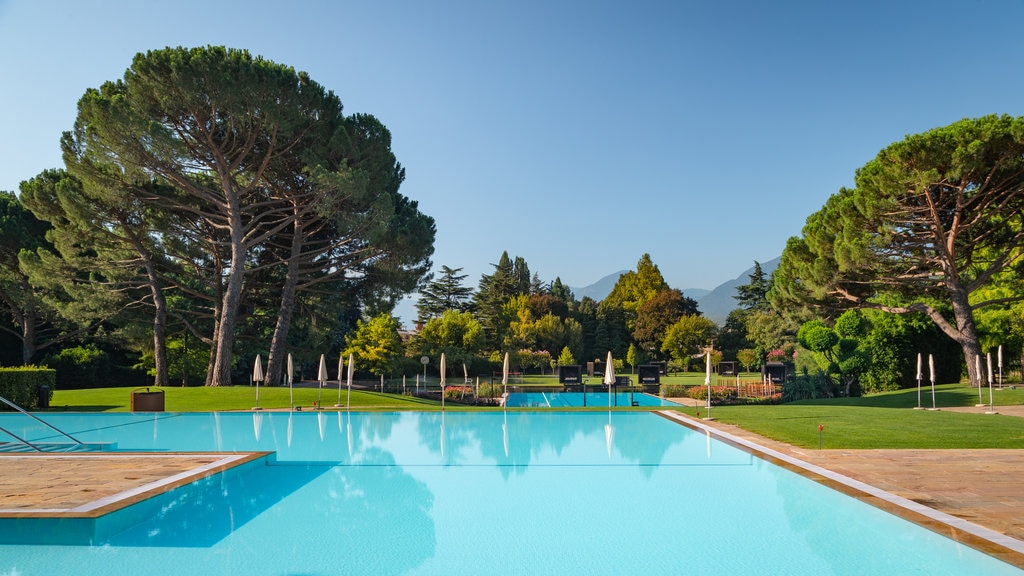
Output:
x=85 y=408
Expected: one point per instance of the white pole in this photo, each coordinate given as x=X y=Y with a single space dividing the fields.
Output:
x=341 y=368
x=931 y=371
x=707 y=380
x=990 y=382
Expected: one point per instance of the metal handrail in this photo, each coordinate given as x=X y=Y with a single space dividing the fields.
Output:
x=37 y=419
x=20 y=439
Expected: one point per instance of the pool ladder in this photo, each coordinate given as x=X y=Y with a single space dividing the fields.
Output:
x=77 y=444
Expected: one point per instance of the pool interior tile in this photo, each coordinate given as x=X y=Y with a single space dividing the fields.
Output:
x=930 y=464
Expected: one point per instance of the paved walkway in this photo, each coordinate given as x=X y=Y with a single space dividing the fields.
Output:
x=88 y=485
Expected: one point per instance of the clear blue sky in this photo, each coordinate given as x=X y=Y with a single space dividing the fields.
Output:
x=578 y=135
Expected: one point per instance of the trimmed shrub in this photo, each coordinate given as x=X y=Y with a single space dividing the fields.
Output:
x=673 y=390
x=22 y=385
x=720 y=395
x=806 y=387
x=488 y=390
x=81 y=367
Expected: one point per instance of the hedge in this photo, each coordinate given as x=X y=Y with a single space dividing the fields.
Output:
x=22 y=384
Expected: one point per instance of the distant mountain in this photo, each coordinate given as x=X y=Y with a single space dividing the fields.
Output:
x=600 y=289
x=696 y=293
x=716 y=304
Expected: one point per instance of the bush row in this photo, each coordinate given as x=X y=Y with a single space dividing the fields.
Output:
x=23 y=386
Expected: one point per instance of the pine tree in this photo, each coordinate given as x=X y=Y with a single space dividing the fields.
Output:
x=445 y=293
x=754 y=296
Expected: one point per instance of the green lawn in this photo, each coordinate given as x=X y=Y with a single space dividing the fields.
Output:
x=202 y=399
x=886 y=420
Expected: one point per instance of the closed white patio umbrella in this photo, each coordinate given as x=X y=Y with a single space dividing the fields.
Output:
x=322 y=377
x=257 y=377
x=609 y=376
x=444 y=366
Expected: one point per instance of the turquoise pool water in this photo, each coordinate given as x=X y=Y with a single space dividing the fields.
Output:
x=542 y=492
x=578 y=399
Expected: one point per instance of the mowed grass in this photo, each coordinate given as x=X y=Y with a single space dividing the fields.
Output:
x=886 y=420
x=226 y=398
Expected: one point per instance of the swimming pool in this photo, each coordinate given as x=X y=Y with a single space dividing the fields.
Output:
x=579 y=399
x=534 y=492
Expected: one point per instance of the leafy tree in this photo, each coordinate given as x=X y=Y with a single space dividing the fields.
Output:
x=375 y=345
x=655 y=316
x=767 y=331
x=277 y=178
x=561 y=291
x=688 y=336
x=348 y=227
x=457 y=334
x=732 y=337
x=493 y=293
x=516 y=327
x=837 y=350
x=585 y=313
x=539 y=359
x=635 y=288
x=80 y=367
x=445 y=293
x=610 y=332
x=544 y=304
x=177 y=116
x=565 y=358
x=31 y=309
x=933 y=219
x=635 y=357
x=747 y=357
x=105 y=253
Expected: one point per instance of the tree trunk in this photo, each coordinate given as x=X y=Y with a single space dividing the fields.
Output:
x=159 y=327
x=225 y=333
x=279 y=342
x=210 y=365
x=28 y=337
x=966 y=333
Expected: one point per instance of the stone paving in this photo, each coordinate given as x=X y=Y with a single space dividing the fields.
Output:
x=985 y=487
x=92 y=484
